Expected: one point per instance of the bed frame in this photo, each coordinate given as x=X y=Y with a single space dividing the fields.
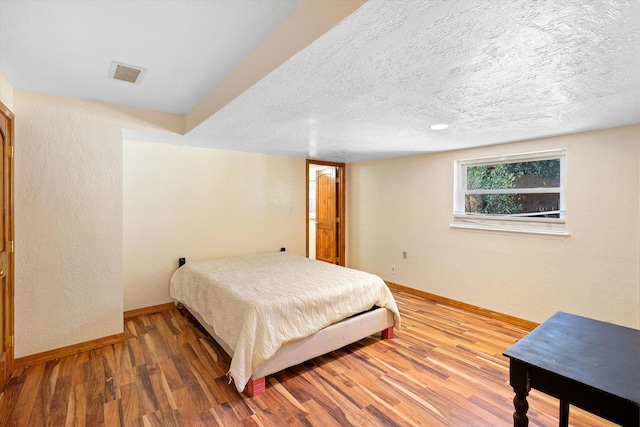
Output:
x=331 y=338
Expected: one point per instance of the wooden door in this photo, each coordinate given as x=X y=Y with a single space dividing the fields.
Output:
x=6 y=247
x=326 y=216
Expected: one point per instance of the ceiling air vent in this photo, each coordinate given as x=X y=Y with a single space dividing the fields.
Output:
x=126 y=73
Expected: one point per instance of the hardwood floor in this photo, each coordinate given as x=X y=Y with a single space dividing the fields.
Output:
x=443 y=368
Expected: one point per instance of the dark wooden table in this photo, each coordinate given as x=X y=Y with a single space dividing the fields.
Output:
x=582 y=362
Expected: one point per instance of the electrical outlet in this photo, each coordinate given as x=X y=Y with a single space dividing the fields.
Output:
x=393 y=269
x=404 y=254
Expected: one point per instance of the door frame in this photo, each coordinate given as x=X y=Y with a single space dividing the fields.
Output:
x=341 y=190
x=8 y=155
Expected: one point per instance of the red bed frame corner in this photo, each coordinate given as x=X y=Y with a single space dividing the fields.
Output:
x=387 y=334
x=255 y=387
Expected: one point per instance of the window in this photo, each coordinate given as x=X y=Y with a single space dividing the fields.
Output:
x=515 y=193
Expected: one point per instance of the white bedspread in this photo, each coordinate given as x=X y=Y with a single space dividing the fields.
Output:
x=257 y=303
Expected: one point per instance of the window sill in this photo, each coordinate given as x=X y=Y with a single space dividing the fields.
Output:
x=553 y=227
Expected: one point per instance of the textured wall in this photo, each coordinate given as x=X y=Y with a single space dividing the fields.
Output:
x=406 y=204
x=6 y=92
x=68 y=206
x=203 y=203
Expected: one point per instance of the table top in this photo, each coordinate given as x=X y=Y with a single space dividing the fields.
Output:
x=598 y=354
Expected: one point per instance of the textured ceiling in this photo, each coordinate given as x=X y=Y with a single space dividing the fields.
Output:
x=495 y=71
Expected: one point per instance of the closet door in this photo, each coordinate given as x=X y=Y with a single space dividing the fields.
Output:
x=6 y=246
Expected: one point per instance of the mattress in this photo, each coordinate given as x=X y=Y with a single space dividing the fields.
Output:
x=259 y=302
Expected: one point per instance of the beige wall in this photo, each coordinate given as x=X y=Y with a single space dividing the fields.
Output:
x=406 y=204
x=203 y=203
x=68 y=207
x=99 y=224
x=6 y=92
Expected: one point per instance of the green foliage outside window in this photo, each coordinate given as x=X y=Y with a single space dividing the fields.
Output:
x=509 y=176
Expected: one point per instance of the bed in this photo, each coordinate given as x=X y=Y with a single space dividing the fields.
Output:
x=272 y=311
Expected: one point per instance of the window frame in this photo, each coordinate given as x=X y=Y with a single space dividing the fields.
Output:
x=517 y=223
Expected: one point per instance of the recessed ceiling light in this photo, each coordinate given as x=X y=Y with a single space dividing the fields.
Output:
x=439 y=126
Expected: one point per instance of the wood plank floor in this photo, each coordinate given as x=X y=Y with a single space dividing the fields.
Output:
x=444 y=368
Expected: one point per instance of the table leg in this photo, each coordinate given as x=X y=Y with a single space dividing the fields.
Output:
x=519 y=379
x=520 y=418
x=564 y=414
